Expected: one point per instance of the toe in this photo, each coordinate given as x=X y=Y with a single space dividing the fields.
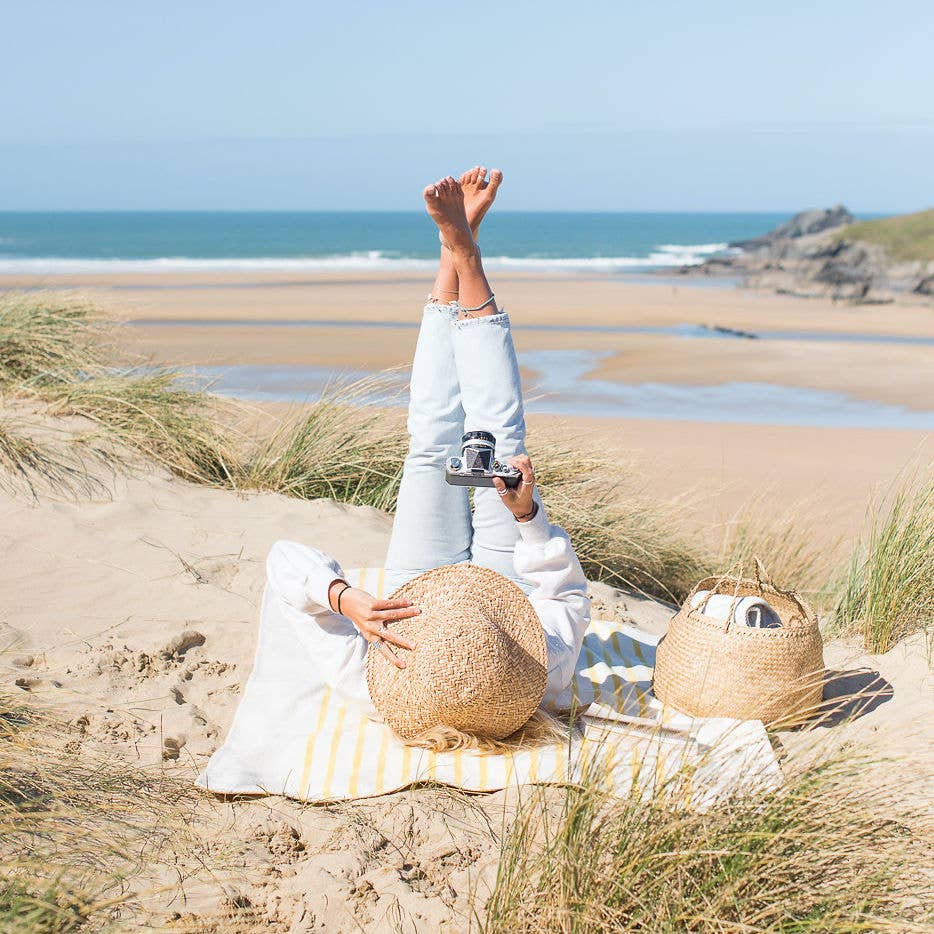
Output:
x=495 y=178
x=482 y=176
x=431 y=191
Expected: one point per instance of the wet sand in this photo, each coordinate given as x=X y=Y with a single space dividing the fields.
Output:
x=838 y=468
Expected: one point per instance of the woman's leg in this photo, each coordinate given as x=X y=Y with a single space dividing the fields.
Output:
x=490 y=387
x=479 y=195
x=432 y=525
x=491 y=394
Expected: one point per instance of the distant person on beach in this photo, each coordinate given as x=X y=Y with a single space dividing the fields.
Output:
x=465 y=377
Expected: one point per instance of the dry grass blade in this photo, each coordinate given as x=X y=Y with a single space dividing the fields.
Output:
x=623 y=535
x=74 y=828
x=154 y=414
x=340 y=447
x=888 y=589
x=29 y=464
x=47 y=338
x=786 y=542
x=816 y=855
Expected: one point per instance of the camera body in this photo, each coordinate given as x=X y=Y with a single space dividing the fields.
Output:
x=477 y=465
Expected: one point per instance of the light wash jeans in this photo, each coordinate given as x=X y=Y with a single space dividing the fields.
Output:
x=465 y=377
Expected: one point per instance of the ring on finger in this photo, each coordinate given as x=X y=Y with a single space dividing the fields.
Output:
x=502 y=492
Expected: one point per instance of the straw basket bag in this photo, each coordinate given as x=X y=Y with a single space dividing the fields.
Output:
x=708 y=667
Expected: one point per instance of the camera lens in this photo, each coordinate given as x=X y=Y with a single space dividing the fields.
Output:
x=479 y=436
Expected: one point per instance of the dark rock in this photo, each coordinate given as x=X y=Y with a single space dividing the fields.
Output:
x=860 y=300
x=718 y=260
x=850 y=266
x=829 y=250
x=801 y=225
x=925 y=286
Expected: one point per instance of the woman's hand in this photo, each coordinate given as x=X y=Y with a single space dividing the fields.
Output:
x=519 y=501
x=372 y=616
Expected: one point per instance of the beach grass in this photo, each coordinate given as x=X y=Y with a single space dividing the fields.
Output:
x=48 y=338
x=624 y=534
x=78 y=832
x=908 y=237
x=46 y=464
x=887 y=591
x=826 y=852
x=154 y=414
x=65 y=355
x=338 y=448
x=785 y=540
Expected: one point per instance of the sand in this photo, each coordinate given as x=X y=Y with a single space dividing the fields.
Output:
x=897 y=374
x=134 y=617
x=838 y=468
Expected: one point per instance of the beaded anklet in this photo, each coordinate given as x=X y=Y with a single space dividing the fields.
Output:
x=469 y=311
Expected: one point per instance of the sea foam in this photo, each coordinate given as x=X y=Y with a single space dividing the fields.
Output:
x=664 y=255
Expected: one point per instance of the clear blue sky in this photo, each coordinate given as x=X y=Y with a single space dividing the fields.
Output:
x=590 y=105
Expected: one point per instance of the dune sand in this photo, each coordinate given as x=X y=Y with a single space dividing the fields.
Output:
x=835 y=471
x=134 y=617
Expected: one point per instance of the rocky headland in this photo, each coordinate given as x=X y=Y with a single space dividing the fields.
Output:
x=828 y=253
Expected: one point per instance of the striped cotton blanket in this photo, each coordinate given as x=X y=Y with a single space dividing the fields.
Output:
x=295 y=737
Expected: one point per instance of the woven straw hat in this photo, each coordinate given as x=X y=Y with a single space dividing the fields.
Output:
x=707 y=667
x=480 y=664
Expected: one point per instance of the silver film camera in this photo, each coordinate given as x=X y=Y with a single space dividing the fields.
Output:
x=477 y=465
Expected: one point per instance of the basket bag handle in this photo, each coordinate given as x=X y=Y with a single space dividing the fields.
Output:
x=724 y=625
x=765 y=582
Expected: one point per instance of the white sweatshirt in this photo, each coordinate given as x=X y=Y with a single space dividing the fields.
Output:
x=298 y=579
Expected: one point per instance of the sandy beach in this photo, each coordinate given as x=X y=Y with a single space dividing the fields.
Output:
x=697 y=694
x=224 y=318
x=144 y=649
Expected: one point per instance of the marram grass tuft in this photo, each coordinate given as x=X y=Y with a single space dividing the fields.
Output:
x=823 y=853
x=887 y=591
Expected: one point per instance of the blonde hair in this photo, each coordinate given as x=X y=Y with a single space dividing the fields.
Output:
x=539 y=729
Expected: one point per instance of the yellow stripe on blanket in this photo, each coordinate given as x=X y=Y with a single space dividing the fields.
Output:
x=347 y=755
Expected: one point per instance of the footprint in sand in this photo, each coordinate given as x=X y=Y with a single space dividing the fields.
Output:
x=172 y=746
x=177 y=647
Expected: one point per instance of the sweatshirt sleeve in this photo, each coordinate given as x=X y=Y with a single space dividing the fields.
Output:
x=301 y=576
x=297 y=582
x=544 y=555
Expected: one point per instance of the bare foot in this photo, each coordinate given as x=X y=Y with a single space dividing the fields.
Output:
x=479 y=194
x=445 y=202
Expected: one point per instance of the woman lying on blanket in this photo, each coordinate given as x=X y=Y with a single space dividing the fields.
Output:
x=464 y=655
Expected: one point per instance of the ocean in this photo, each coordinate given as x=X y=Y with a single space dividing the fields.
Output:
x=75 y=242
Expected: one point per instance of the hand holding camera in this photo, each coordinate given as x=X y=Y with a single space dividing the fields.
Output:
x=478 y=466
x=519 y=500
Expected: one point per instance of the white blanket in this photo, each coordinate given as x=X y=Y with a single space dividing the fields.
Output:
x=299 y=740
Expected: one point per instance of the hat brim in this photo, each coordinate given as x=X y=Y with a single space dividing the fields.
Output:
x=453 y=588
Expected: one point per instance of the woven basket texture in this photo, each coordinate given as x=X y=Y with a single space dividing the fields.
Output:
x=480 y=662
x=706 y=667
